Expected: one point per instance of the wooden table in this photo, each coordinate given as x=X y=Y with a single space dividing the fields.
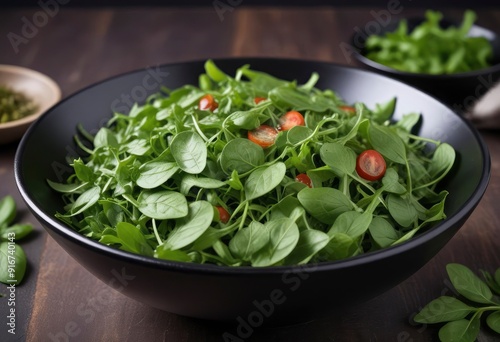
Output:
x=61 y=301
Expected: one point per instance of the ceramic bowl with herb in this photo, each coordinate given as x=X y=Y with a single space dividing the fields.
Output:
x=24 y=95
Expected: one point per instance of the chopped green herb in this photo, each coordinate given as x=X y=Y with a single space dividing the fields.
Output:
x=14 y=105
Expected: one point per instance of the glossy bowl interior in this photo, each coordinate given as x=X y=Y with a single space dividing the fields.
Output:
x=279 y=294
x=36 y=86
x=459 y=91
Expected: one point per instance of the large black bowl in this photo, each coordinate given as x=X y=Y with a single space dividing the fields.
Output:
x=278 y=294
x=459 y=91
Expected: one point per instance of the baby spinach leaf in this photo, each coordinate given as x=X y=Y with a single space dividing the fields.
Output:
x=192 y=226
x=283 y=237
x=460 y=330
x=7 y=210
x=188 y=181
x=493 y=321
x=382 y=232
x=351 y=223
x=132 y=239
x=384 y=111
x=339 y=247
x=162 y=205
x=388 y=143
x=402 y=209
x=189 y=151
x=324 y=204
x=310 y=242
x=264 y=179
x=162 y=252
x=214 y=72
x=12 y=263
x=155 y=173
x=248 y=241
x=86 y=200
x=66 y=187
x=19 y=231
x=341 y=159
x=468 y=284
x=443 y=309
x=442 y=161
x=391 y=182
x=241 y=155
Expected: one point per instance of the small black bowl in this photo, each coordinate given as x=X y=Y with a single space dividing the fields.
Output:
x=459 y=91
x=279 y=295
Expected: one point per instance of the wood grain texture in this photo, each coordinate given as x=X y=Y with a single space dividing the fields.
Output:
x=78 y=47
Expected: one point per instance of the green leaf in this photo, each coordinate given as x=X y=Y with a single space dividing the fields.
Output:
x=12 y=263
x=241 y=155
x=189 y=151
x=188 y=181
x=66 y=188
x=263 y=180
x=162 y=252
x=284 y=235
x=155 y=173
x=19 y=231
x=461 y=330
x=468 y=284
x=324 y=204
x=132 y=239
x=7 y=210
x=310 y=242
x=214 y=72
x=105 y=138
x=382 y=232
x=384 y=111
x=442 y=161
x=388 y=143
x=162 y=205
x=402 y=209
x=351 y=223
x=341 y=246
x=341 y=159
x=86 y=200
x=248 y=241
x=493 y=321
x=391 y=182
x=191 y=227
x=443 y=309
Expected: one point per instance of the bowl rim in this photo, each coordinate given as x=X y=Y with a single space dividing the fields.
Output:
x=58 y=227
x=357 y=53
x=49 y=82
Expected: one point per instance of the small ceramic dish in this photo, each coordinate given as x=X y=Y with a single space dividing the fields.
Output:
x=38 y=87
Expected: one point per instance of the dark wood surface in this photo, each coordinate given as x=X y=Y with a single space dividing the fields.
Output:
x=60 y=301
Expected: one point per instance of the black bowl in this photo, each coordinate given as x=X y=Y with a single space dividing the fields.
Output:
x=459 y=91
x=273 y=294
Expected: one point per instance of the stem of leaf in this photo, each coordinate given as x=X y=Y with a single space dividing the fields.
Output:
x=155 y=230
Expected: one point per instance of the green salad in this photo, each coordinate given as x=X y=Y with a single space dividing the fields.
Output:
x=253 y=170
x=431 y=49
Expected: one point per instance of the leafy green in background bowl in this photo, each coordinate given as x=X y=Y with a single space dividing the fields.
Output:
x=431 y=53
